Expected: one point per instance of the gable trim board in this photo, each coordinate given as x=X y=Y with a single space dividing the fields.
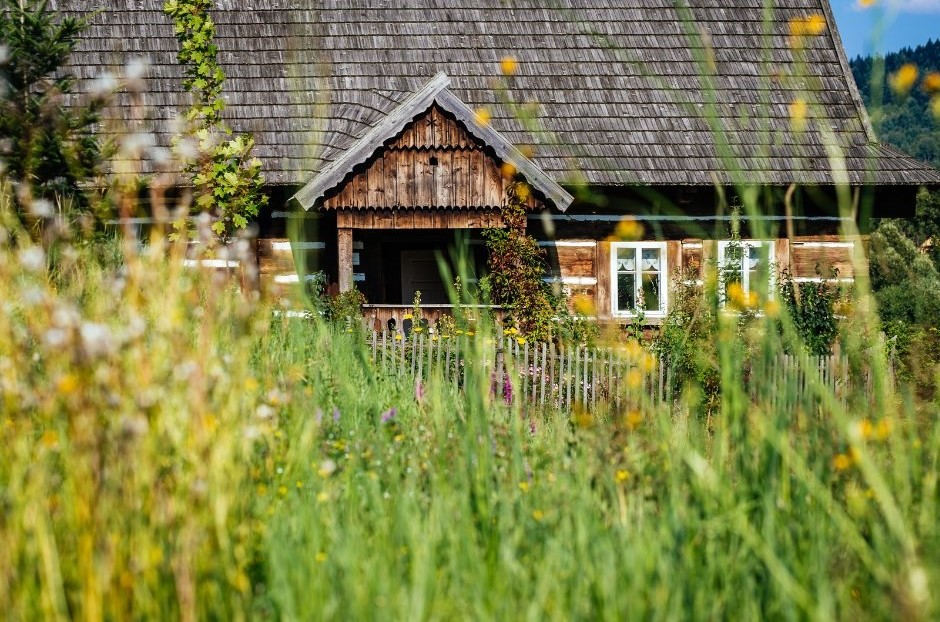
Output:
x=434 y=92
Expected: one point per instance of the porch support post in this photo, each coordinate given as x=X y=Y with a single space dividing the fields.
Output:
x=344 y=240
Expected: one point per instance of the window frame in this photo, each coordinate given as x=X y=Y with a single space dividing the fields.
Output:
x=638 y=280
x=745 y=274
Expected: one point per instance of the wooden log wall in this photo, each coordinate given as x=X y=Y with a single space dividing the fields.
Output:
x=433 y=163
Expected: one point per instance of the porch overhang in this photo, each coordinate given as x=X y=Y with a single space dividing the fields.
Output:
x=434 y=92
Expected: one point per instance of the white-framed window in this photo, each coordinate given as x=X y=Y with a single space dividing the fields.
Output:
x=750 y=265
x=638 y=277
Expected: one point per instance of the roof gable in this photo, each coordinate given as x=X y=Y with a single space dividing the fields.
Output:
x=434 y=92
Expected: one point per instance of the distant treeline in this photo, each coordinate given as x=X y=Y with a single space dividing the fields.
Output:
x=904 y=121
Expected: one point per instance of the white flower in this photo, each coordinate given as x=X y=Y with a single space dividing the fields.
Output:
x=135 y=72
x=264 y=412
x=103 y=85
x=96 y=339
x=41 y=208
x=32 y=259
x=55 y=338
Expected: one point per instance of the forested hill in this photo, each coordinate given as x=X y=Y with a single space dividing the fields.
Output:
x=905 y=121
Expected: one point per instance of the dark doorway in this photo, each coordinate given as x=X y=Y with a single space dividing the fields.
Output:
x=420 y=273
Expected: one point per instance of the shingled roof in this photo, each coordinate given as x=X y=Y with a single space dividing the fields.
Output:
x=617 y=84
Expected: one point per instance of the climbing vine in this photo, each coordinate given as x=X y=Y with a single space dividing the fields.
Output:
x=517 y=268
x=226 y=177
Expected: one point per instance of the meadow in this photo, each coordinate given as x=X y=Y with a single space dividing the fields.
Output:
x=175 y=449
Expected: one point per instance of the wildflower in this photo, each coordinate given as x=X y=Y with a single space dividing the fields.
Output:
x=812 y=25
x=521 y=341
x=538 y=515
x=50 y=439
x=67 y=384
x=470 y=333
x=41 y=208
x=524 y=486
x=264 y=412
x=772 y=308
x=251 y=384
x=583 y=304
x=866 y=3
x=282 y=491
x=628 y=229
x=634 y=378
x=736 y=294
x=335 y=414
x=508 y=170
x=322 y=497
x=32 y=259
x=509 y=65
x=483 y=116
x=633 y=419
x=582 y=417
x=902 y=80
x=841 y=462
x=327 y=468
x=96 y=339
x=931 y=82
x=798 y=110
x=321 y=557
x=397 y=336
x=389 y=414
x=507 y=332
x=622 y=475
x=883 y=429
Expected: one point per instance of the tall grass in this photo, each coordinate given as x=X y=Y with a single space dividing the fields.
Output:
x=173 y=449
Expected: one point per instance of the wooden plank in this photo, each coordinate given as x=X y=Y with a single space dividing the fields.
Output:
x=782 y=254
x=404 y=219
x=604 y=286
x=406 y=178
x=815 y=261
x=460 y=177
x=444 y=180
x=344 y=240
x=424 y=180
x=577 y=261
x=475 y=192
x=376 y=184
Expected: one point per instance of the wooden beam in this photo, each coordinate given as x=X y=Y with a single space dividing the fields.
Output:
x=344 y=239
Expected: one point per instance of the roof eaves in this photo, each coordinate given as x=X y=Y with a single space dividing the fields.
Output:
x=507 y=152
x=362 y=149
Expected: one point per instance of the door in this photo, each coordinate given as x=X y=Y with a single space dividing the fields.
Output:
x=419 y=272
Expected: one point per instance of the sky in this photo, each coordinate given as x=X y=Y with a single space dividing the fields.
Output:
x=886 y=25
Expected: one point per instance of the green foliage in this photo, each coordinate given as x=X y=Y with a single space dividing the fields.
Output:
x=48 y=149
x=904 y=120
x=812 y=309
x=226 y=177
x=517 y=268
x=346 y=308
x=687 y=340
x=905 y=282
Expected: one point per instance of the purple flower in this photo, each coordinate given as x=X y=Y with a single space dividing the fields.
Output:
x=389 y=414
x=335 y=414
x=319 y=416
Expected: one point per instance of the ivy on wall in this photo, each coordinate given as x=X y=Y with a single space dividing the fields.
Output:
x=227 y=179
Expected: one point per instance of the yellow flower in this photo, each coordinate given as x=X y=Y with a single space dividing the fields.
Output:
x=470 y=333
x=50 y=439
x=407 y=316
x=634 y=378
x=282 y=491
x=507 y=331
x=524 y=486
x=322 y=497
x=736 y=294
x=883 y=429
x=633 y=419
x=772 y=308
x=458 y=331
x=67 y=384
x=509 y=65
x=433 y=337
x=931 y=82
x=902 y=80
x=418 y=329
x=583 y=304
x=241 y=582
x=321 y=557
x=523 y=191
x=397 y=336
x=483 y=116
x=752 y=300
x=251 y=384
x=628 y=229
x=508 y=170
x=538 y=515
x=841 y=462
x=866 y=3
x=513 y=331
x=798 y=109
x=521 y=341
x=814 y=24
x=622 y=475
x=935 y=106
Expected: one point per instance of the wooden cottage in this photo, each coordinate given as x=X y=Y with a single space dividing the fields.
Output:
x=388 y=127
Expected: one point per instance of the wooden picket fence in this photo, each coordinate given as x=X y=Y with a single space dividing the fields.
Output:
x=540 y=374
x=546 y=375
